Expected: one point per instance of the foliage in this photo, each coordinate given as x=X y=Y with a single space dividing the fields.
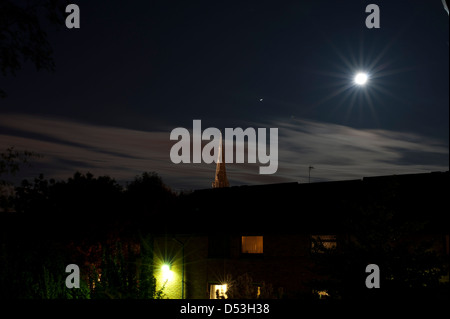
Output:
x=244 y=287
x=35 y=270
x=79 y=221
x=123 y=273
x=84 y=206
x=148 y=194
x=10 y=162
x=378 y=232
x=147 y=201
x=22 y=36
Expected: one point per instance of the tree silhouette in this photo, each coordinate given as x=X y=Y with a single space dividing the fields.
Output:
x=22 y=36
x=149 y=199
x=83 y=207
x=84 y=220
x=243 y=287
x=10 y=162
x=383 y=230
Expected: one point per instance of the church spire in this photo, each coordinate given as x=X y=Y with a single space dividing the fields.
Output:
x=220 y=179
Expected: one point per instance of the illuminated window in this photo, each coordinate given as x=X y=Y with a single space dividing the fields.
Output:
x=322 y=243
x=252 y=244
x=218 y=292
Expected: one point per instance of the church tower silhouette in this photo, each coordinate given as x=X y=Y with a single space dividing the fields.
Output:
x=220 y=179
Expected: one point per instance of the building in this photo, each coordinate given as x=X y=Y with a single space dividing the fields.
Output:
x=265 y=240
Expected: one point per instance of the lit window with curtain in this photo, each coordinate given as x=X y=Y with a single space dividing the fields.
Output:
x=217 y=291
x=252 y=245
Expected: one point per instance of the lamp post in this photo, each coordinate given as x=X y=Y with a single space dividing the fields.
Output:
x=309 y=174
x=182 y=266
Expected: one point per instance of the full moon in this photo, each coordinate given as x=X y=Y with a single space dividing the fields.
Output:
x=361 y=78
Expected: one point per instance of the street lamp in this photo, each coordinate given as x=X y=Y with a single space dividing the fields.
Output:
x=166 y=273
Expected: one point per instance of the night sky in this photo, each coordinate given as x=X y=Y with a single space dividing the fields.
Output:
x=134 y=72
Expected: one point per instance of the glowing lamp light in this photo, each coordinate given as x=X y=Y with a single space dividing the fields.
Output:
x=165 y=268
x=361 y=78
x=166 y=273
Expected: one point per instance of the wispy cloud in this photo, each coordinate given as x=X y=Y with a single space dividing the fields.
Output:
x=340 y=152
x=337 y=152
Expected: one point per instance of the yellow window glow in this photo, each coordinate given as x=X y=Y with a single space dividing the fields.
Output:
x=252 y=244
x=218 y=292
